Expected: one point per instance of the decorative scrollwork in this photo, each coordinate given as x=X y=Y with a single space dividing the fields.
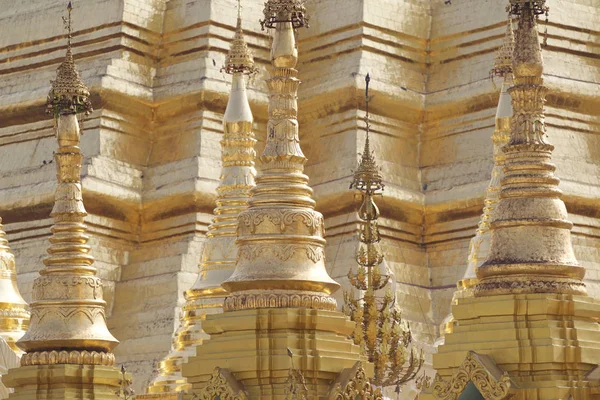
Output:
x=283 y=218
x=222 y=385
x=474 y=370
x=283 y=252
x=353 y=384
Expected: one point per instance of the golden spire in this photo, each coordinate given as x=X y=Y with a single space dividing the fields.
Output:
x=14 y=317
x=379 y=329
x=281 y=246
x=220 y=250
x=68 y=322
x=531 y=249
x=480 y=244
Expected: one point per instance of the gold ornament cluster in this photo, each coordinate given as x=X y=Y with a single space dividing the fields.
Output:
x=278 y=11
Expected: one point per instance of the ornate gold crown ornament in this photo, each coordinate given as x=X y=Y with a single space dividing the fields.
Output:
x=239 y=59
x=68 y=94
x=277 y=11
x=538 y=7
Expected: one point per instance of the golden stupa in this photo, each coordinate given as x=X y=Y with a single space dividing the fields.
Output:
x=67 y=346
x=529 y=331
x=206 y=296
x=222 y=281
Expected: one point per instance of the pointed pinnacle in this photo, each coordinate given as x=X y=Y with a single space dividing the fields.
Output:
x=239 y=59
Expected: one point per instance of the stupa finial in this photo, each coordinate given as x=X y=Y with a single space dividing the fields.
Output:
x=68 y=94
x=367 y=176
x=239 y=59
x=504 y=56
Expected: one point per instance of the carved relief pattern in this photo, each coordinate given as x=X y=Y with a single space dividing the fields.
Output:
x=68 y=357
x=279 y=300
x=43 y=282
x=472 y=371
x=283 y=252
x=282 y=218
x=66 y=314
x=357 y=387
x=221 y=385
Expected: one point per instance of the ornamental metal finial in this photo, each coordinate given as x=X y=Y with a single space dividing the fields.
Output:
x=384 y=338
x=504 y=56
x=367 y=176
x=277 y=11
x=239 y=59
x=68 y=94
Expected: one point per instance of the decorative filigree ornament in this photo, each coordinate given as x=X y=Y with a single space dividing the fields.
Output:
x=277 y=11
x=353 y=384
x=383 y=336
x=517 y=7
x=492 y=383
x=239 y=59
x=125 y=392
x=367 y=176
x=222 y=385
x=68 y=94
x=536 y=7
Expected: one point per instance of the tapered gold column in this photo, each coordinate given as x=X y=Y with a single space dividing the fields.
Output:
x=530 y=332
x=14 y=316
x=206 y=296
x=279 y=304
x=67 y=346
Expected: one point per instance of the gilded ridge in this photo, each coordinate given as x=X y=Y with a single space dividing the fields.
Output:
x=67 y=311
x=14 y=316
x=531 y=247
x=281 y=220
x=220 y=251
